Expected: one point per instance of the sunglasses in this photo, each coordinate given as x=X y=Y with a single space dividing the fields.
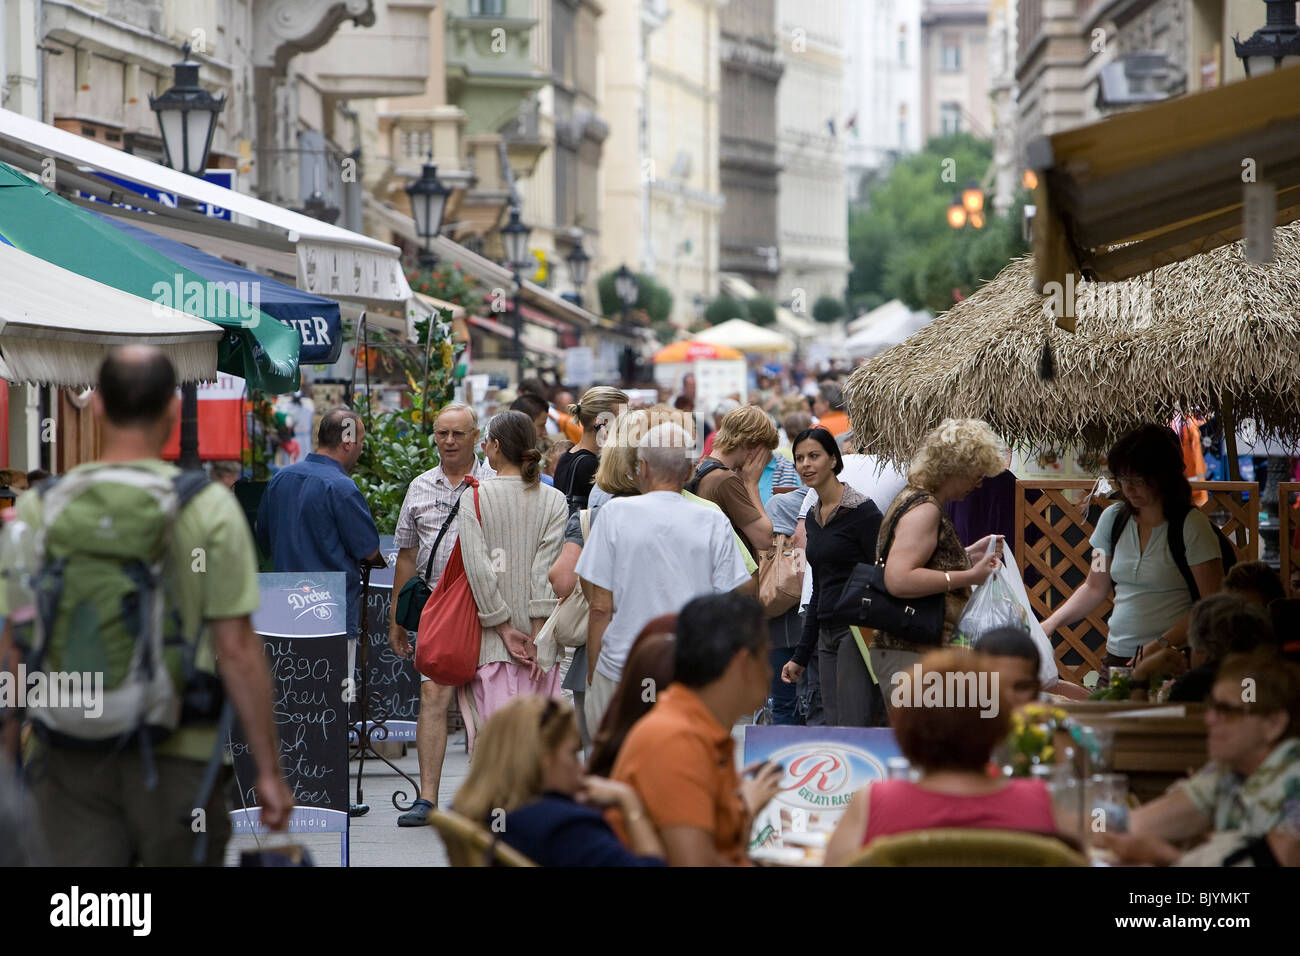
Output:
x=1136 y=482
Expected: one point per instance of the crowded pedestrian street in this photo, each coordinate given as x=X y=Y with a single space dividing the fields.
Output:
x=648 y=434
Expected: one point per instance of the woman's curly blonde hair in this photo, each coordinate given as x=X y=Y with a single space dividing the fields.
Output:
x=959 y=447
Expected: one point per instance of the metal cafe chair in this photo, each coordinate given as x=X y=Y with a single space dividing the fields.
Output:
x=967 y=847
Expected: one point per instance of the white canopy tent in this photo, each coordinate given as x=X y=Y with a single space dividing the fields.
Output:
x=746 y=337
x=330 y=261
x=55 y=326
x=883 y=328
x=802 y=330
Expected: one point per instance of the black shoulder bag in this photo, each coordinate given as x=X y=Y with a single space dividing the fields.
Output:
x=865 y=602
x=415 y=592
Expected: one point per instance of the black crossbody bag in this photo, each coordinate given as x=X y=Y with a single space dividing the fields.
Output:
x=415 y=592
x=866 y=602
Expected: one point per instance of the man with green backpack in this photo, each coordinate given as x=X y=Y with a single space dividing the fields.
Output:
x=141 y=580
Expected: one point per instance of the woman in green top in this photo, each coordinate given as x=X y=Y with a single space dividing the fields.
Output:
x=1152 y=599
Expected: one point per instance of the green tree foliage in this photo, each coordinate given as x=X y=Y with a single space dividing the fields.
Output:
x=399 y=445
x=828 y=308
x=653 y=298
x=724 y=308
x=901 y=245
x=762 y=310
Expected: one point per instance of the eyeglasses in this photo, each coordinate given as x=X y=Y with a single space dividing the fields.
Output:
x=1136 y=482
x=1229 y=711
x=442 y=434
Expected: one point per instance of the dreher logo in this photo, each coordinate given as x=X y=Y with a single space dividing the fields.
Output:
x=824 y=776
x=309 y=598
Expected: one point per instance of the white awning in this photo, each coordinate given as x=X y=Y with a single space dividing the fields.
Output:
x=55 y=325
x=332 y=261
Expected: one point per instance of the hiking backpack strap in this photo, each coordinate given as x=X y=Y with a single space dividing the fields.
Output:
x=706 y=466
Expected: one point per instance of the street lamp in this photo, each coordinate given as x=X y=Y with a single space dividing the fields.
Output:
x=515 y=237
x=579 y=263
x=428 y=196
x=1274 y=46
x=187 y=118
x=967 y=207
x=626 y=288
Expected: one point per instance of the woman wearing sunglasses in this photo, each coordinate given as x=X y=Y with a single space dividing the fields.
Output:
x=1134 y=557
x=1251 y=785
x=526 y=783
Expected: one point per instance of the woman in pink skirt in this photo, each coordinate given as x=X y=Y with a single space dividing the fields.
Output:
x=508 y=548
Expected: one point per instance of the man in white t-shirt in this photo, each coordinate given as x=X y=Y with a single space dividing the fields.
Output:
x=649 y=555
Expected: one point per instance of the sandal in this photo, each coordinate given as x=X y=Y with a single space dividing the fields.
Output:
x=418 y=815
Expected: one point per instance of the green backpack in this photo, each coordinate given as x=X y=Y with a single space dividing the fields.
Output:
x=102 y=608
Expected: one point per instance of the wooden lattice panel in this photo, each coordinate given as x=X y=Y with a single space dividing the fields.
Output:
x=1053 y=525
x=1286 y=522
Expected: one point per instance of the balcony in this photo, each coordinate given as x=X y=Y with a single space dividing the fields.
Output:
x=390 y=58
x=487 y=50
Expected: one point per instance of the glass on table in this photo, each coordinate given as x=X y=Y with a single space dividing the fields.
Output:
x=1066 y=792
x=1106 y=799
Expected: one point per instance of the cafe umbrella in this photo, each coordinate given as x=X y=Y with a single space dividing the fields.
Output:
x=1214 y=333
x=38 y=221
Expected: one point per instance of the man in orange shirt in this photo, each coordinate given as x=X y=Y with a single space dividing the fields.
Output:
x=828 y=406
x=680 y=757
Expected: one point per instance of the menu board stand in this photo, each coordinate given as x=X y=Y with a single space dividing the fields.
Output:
x=372 y=723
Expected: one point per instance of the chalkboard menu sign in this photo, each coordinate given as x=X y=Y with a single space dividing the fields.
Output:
x=392 y=683
x=301 y=620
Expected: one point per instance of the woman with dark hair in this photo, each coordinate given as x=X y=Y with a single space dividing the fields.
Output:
x=509 y=544
x=575 y=472
x=1133 y=553
x=647 y=671
x=842 y=533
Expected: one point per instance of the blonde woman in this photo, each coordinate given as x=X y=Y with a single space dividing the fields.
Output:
x=926 y=557
x=526 y=767
x=729 y=475
x=576 y=470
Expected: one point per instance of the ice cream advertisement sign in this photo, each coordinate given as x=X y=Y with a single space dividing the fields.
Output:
x=823 y=768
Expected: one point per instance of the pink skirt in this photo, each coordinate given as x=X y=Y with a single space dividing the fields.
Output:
x=496 y=683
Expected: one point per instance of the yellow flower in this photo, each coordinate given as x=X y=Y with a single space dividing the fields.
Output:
x=417 y=416
x=1047 y=754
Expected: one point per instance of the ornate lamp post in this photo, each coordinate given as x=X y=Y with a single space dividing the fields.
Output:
x=187 y=118
x=579 y=263
x=515 y=236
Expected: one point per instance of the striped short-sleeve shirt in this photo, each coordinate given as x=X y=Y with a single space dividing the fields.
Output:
x=429 y=500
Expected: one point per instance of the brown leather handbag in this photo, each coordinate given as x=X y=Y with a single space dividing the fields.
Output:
x=780 y=576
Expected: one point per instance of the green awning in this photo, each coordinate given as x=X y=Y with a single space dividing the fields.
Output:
x=36 y=220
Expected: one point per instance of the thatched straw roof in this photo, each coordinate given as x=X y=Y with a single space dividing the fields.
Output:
x=1189 y=335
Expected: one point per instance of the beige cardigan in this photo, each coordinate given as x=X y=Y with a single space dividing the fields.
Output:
x=508 y=554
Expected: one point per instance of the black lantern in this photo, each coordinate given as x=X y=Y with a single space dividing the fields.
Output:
x=428 y=196
x=187 y=117
x=1274 y=46
x=515 y=236
x=579 y=263
x=626 y=287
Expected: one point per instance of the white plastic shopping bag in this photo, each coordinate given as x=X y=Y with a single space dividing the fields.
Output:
x=1002 y=601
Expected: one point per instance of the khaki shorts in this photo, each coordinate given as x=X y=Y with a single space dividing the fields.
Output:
x=96 y=811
